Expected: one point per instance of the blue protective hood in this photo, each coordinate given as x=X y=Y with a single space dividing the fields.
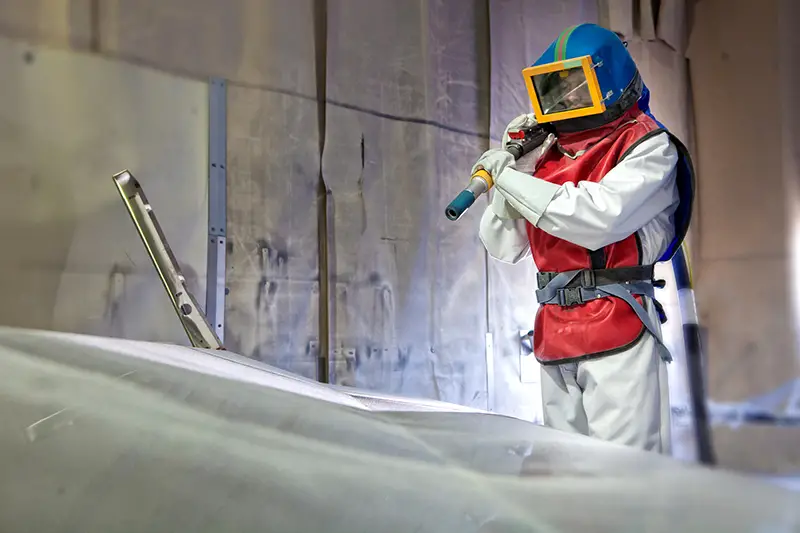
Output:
x=621 y=87
x=614 y=66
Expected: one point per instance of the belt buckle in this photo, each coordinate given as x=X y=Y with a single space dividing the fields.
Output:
x=587 y=279
x=543 y=278
x=570 y=297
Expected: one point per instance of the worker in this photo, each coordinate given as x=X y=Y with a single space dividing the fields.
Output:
x=606 y=196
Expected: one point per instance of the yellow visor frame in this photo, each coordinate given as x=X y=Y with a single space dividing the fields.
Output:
x=585 y=63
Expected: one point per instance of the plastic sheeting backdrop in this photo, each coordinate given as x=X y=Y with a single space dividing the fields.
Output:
x=408 y=98
x=71 y=258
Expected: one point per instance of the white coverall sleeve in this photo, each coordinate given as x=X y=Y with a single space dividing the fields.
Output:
x=502 y=232
x=594 y=215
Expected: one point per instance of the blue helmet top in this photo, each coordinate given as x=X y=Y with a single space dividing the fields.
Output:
x=614 y=66
x=621 y=84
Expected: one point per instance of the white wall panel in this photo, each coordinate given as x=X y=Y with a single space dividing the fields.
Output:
x=68 y=121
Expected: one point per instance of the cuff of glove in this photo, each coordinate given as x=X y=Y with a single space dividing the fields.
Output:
x=527 y=195
x=502 y=209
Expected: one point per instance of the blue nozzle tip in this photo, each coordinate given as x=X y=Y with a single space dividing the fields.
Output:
x=461 y=203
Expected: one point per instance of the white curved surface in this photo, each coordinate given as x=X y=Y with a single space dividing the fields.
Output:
x=117 y=436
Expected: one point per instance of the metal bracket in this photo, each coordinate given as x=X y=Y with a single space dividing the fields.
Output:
x=217 y=203
x=200 y=333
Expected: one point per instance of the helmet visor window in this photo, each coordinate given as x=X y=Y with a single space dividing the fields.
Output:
x=564 y=90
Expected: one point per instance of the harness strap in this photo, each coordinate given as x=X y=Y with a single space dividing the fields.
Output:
x=576 y=287
x=601 y=276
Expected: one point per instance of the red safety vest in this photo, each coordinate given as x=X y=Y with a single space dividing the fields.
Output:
x=606 y=325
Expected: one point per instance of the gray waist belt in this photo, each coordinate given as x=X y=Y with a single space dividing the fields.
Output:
x=576 y=287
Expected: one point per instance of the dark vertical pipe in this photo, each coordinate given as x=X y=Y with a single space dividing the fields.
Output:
x=320 y=47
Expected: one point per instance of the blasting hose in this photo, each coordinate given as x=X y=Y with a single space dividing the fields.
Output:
x=526 y=140
x=694 y=357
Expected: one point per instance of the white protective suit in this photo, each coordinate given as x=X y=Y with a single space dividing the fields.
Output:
x=624 y=397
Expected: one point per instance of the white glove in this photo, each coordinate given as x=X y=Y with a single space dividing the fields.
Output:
x=501 y=208
x=527 y=163
x=527 y=120
x=494 y=161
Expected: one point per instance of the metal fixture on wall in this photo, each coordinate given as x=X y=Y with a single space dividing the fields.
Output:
x=217 y=200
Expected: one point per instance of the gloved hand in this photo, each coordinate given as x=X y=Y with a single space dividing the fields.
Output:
x=526 y=120
x=494 y=161
x=528 y=162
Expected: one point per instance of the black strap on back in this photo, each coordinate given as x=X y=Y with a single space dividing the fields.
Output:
x=598 y=258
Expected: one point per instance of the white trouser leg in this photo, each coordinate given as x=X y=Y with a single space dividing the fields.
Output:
x=562 y=405
x=626 y=397
x=621 y=398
